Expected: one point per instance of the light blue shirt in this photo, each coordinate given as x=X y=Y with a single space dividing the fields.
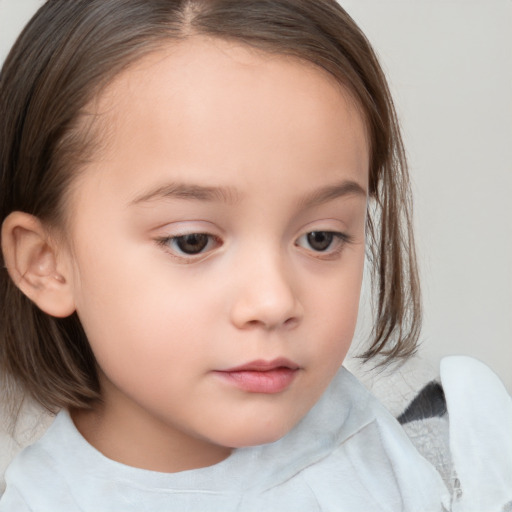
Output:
x=348 y=454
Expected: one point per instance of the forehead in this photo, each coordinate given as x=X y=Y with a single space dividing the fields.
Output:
x=216 y=105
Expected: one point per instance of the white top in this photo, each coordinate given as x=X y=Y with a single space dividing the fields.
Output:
x=348 y=454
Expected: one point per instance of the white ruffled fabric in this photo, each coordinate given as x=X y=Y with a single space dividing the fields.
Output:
x=480 y=416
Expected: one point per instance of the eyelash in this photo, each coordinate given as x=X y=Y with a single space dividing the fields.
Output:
x=337 y=238
x=168 y=241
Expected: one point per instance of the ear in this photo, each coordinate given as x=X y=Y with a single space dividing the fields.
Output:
x=35 y=265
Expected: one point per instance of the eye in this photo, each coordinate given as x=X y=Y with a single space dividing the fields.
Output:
x=194 y=243
x=323 y=241
x=190 y=244
x=320 y=240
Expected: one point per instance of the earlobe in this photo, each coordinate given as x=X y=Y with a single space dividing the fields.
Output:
x=35 y=265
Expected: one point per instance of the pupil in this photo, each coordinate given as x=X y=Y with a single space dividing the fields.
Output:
x=320 y=240
x=193 y=243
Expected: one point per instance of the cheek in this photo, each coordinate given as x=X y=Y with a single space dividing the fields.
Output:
x=335 y=307
x=146 y=344
x=132 y=313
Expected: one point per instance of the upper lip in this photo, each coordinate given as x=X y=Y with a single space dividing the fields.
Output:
x=263 y=366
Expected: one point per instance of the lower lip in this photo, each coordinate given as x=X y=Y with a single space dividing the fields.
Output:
x=268 y=382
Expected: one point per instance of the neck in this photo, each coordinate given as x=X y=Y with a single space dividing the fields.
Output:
x=139 y=440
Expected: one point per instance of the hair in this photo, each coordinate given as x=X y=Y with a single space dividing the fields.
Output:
x=72 y=49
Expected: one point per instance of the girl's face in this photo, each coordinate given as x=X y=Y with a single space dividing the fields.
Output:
x=216 y=250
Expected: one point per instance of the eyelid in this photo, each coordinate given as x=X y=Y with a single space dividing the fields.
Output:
x=165 y=241
x=340 y=241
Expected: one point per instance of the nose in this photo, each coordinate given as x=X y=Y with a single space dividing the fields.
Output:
x=265 y=295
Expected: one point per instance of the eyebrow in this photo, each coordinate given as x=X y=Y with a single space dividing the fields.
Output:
x=189 y=191
x=331 y=192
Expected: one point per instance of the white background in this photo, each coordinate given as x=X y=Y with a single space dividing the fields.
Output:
x=449 y=63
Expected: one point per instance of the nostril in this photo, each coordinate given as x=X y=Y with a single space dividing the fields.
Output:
x=291 y=322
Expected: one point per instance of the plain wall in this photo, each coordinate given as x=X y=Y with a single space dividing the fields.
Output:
x=449 y=63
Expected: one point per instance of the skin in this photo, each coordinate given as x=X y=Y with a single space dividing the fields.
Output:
x=288 y=149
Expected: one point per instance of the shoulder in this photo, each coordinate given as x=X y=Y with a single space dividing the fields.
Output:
x=377 y=463
x=32 y=477
x=29 y=425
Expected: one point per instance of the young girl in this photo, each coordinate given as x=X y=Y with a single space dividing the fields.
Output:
x=188 y=192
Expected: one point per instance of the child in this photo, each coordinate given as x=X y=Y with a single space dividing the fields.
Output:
x=189 y=189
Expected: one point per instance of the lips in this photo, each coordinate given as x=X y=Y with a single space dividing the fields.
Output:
x=267 y=377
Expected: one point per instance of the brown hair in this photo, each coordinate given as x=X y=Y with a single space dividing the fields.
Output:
x=71 y=49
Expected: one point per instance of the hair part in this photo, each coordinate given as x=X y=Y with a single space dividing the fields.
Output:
x=64 y=58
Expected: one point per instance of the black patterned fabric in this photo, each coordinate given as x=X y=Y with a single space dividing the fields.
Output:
x=430 y=402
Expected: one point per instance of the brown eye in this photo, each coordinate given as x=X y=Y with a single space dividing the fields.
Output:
x=194 y=243
x=320 y=240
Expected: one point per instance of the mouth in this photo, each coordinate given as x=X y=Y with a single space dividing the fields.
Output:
x=267 y=377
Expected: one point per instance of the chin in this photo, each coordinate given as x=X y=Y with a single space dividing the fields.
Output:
x=257 y=436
